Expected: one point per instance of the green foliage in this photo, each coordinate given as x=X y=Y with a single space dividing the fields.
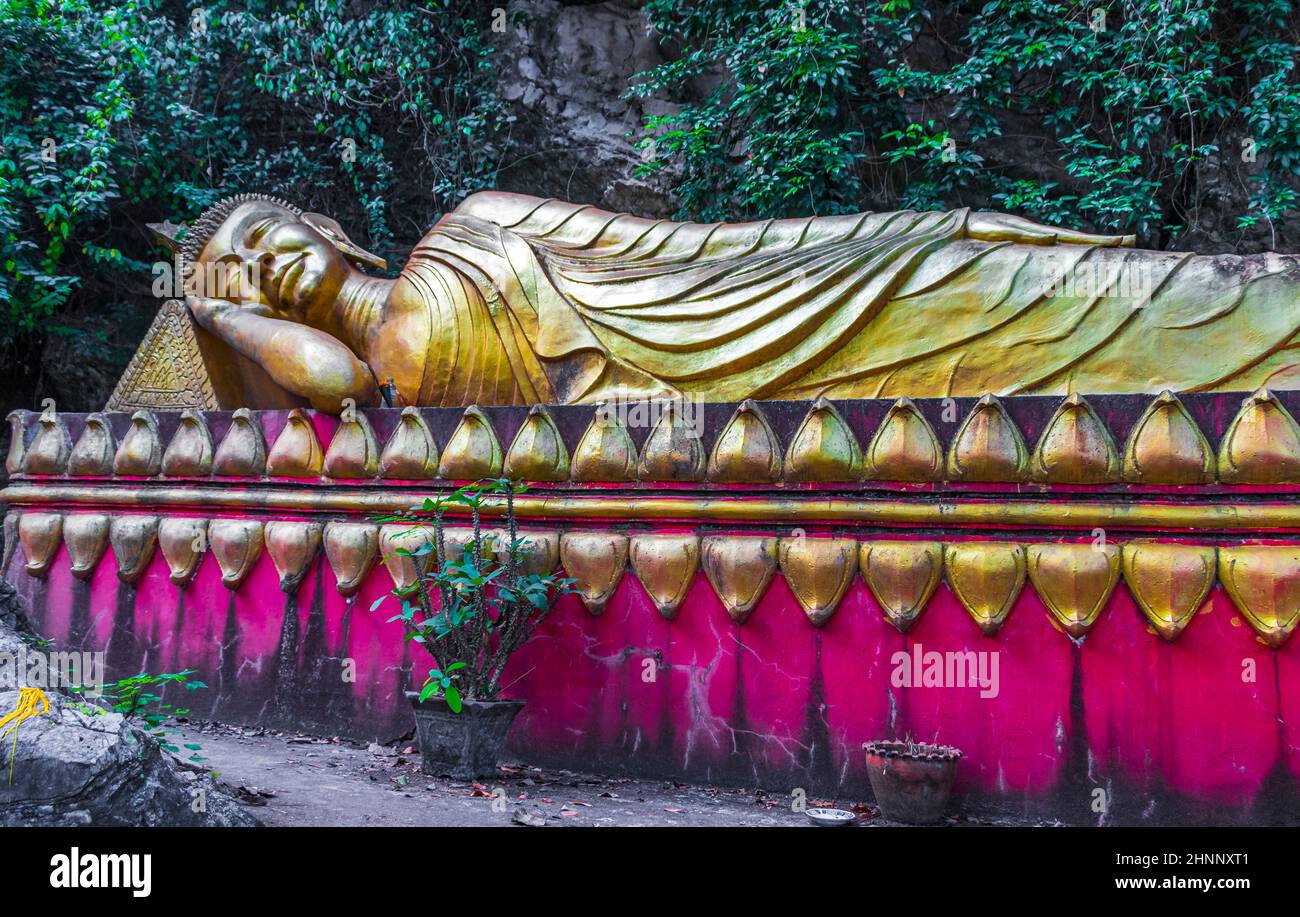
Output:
x=117 y=112
x=139 y=696
x=471 y=610
x=1123 y=115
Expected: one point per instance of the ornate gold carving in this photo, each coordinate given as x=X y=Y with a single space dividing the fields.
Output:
x=183 y=543
x=50 y=447
x=167 y=372
x=739 y=568
x=1075 y=448
x=905 y=447
x=902 y=575
x=747 y=451
x=1074 y=581
x=596 y=560
x=986 y=577
x=190 y=453
x=823 y=448
x=236 y=545
x=819 y=572
x=988 y=446
x=1166 y=446
x=242 y=452
x=673 y=450
x=473 y=451
x=297 y=450
x=405 y=569
x=1262 y=444
x=133 y=539
x=411 y=453
x=1169 y=582
x=39 y=534
x=17 y=441
x=93 y=453
x=351 y=548
x=1263 y=581
x=140 y=453
x=606 y=451
x=353 y=451
x=538 y=452
x=665 y=565
x=86 y=536
x=539 y=553
x=292 y=546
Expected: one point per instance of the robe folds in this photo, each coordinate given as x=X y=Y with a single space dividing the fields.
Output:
x=527 y=300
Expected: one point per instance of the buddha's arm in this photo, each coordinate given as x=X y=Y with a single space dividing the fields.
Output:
x=300 y=359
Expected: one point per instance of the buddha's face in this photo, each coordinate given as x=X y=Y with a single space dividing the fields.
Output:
x=267 y=257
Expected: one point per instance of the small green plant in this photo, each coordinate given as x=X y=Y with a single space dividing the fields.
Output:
x=140 y=697
x=471 y=608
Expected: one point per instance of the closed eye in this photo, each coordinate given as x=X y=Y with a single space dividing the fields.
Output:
x=258 y=230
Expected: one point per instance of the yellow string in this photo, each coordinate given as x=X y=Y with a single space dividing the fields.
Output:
x=31 y=702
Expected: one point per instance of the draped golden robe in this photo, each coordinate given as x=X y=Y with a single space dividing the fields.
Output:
x=514 y=299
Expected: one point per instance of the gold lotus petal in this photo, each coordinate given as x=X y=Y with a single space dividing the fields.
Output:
x=1074 y=581
x=538 y=452
x=86 y=536
x=1075 y=448
x=986 y=577
x=17 y=441
x=133 y=539
x=50 y=447
x=819 y=572
x=93 y=453
x=236 y=545
x=405 y=569
x=411 y=453
x=473 y=452
x=1168 y=581
x=988 y=446
x=242 y=452
x=739 y=568
x=297 y=451
x=539 y=552
x=141 y=451
x=823 y=448
x=1262 y=444
x=905 y=447
x=1263 y=581
x=292 y=546
x=1166 y=446
x=606 y=451
x=457 y=539
x=902 y=575
x=353 y=451
x=183 y=543
x=351 y=549
x=39 y=534
x=747 y=451
x=596 y=560
x=673 y=451
x=190 y=453
x=665 y=565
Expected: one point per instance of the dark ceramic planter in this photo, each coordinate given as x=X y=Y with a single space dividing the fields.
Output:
x=465 y=745
x=911 y=781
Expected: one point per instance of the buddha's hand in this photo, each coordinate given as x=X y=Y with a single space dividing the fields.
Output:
x=991 y=226
x=209 y=312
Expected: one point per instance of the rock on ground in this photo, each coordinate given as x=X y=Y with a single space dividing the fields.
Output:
x=81 y=764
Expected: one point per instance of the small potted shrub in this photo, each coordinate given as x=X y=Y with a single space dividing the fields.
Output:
x=911 y=780
x=470 y=608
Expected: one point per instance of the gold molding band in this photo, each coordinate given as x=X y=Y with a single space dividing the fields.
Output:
x=978 y=512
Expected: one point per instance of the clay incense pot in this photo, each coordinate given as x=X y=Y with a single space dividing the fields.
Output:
x=911 y=780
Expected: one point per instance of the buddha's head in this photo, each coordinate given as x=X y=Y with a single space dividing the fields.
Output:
x=265 y=253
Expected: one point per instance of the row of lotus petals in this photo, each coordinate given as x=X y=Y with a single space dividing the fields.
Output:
x=1261 y=446
x=1170 y=582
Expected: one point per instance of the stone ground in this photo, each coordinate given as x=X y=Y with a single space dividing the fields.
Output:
x=299 y=780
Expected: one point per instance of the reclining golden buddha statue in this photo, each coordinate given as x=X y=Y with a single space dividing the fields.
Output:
x=518 y=300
